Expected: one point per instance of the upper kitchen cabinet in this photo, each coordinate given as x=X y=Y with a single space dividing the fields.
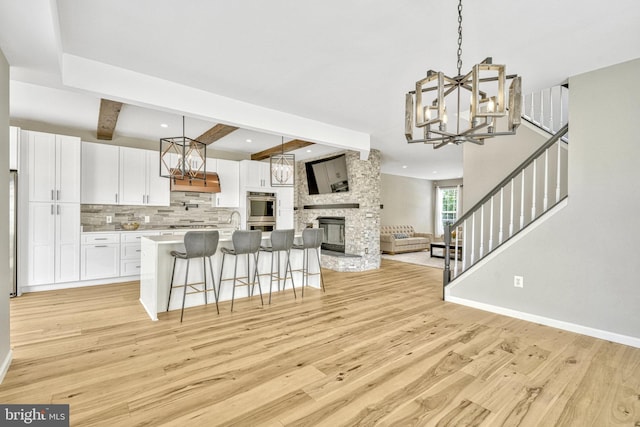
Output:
x=229 y=175
x=54 y=167
x=140 y=180
x=114 y=175
x=100 y=174
x=255 y=175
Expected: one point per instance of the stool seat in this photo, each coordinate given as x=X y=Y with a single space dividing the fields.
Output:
x=198 y=244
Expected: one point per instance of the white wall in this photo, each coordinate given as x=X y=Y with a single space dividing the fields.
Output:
x=5 y=349
x=580 y=266
x=406 y=201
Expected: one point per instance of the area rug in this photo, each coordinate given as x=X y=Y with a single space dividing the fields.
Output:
x=420 y=258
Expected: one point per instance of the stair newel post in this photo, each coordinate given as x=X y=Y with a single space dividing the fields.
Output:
x=447 y=261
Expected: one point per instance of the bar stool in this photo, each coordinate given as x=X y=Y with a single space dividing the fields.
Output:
x=281 y=241
x=197 y=244
x=244 y=243
x=311 y=239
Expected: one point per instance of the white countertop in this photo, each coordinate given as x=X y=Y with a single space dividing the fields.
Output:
x=172 y=239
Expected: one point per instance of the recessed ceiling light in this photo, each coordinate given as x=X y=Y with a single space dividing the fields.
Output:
x=248 y=140
x=435 y=171
x=308 y=151
x=164 y=125
x=404 y=166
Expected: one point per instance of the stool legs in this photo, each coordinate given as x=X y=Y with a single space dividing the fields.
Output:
x=250 y=282
x=186 y=284
x=287 y=270
x=305 y=268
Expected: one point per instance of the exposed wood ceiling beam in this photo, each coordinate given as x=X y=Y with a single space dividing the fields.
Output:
x=288 y=146
x=215 y=133
x=109 y=111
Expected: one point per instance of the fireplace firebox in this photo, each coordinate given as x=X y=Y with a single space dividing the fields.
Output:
x=333 y=227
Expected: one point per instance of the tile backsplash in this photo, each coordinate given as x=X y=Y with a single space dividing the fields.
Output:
x=186 y=208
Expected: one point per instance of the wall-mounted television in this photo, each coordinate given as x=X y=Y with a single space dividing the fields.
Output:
x=328 y=175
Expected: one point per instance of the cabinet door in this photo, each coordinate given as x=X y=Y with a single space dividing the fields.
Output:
x=68 y=169
x=100 y=261
x=133 y=176
x=255 y=175
x=42 y=167
x=41 y=243
x=67 y=257
x=158 y=190
x=284 y=217
x=229 y=174
x=100 y=174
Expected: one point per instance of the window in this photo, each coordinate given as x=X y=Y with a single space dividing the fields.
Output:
x=447 y=203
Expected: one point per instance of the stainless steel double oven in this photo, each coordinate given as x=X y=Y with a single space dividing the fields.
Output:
x=261 y=211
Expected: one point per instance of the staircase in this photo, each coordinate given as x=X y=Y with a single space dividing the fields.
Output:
x=530 y=191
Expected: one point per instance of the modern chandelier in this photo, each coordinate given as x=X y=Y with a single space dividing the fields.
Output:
x=483 y=89
x=283 y=168
x=183 y=158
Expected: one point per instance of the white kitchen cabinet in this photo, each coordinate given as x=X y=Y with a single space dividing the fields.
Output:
x=157 y=187
x=133 y=174
x=14 y=138
x=229 y=175
x=284 y=216
x=130 y=250
x=54 y=167
x=122 y=176
x=140 y=180
x=100 y=257
x=53 y=243
x=100 y=173
x=53 y=220
x=255 y=175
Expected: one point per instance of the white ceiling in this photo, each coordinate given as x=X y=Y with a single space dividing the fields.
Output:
x=342 y=63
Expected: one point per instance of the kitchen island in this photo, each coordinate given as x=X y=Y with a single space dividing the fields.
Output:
x=157 y=264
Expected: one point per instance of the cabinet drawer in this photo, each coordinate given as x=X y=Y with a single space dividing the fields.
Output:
x=130 y=251
x=130 y=268
x=100 y=261
x=100 y=238
x=128 y=237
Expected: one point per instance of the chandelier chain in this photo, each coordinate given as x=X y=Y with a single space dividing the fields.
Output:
x=459 y=36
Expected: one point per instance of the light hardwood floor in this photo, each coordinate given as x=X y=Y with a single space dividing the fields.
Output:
x=379 y=348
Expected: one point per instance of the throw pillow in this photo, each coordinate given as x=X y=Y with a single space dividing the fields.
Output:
x=401 y=236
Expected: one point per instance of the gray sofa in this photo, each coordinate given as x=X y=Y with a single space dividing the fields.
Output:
x=403 y=238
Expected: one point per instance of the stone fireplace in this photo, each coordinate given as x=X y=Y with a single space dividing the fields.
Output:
x=354 y=241
x=333 y=227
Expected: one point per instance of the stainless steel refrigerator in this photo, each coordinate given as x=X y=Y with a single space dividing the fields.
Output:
x=13 y=233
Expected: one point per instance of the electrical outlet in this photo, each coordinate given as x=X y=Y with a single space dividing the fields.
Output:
x=366 y=250
x=518 y=281
x=109 y=219
x=147 y=219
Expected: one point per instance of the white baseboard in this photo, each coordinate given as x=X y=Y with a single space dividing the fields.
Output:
x=4 y=366
x=67 y=285
x=560 y=324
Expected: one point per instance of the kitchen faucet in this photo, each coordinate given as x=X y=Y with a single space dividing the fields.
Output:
x=236 y=225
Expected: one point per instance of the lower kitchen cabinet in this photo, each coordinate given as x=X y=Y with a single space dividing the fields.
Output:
x=53 y=243
x=100 y=258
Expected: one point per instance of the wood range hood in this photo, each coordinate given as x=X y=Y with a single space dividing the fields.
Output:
x=210 y=185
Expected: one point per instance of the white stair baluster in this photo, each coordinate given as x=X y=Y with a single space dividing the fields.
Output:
x=545 y=199
x=500 y=233
x=511 y=209
x=481 y=250
x=491 y=225
x=522 y=202
x=533 y=190
x=559 y=171
x=473 y=239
